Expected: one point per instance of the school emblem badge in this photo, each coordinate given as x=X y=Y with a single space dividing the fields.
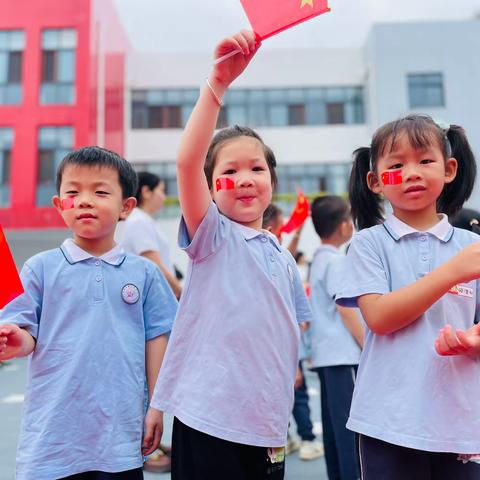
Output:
x=130 y=294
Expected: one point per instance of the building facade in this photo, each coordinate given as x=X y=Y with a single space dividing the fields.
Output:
x=61 y=87
x=312 y=106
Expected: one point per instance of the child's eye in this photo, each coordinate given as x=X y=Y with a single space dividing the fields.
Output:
x=426 y=161
x=229 y=172
x=258 y=169
x=396 y=166
x=101 y=192
x=71 y=192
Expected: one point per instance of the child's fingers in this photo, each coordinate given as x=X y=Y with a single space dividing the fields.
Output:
x=465 y=340
x=151 y=440
x=250 y=38
x=243 y=43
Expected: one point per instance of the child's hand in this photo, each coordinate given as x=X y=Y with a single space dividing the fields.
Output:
x=465 y=266
x=153 y=431
x=459 y=342
x=224 y=73
x=11 y=341
x=298 y=379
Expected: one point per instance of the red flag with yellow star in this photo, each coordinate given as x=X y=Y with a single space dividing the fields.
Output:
x=10 y=284
x=269 y=17
x=299 y=214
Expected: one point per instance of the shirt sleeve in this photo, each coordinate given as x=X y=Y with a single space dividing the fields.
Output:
x=209 y=237
x=334 y=274
x=302 y=307
x=26 y=309
x=364 y=272
x=159 y=305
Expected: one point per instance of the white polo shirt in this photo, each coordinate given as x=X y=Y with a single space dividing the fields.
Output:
x=230 y=365
x=405 y=393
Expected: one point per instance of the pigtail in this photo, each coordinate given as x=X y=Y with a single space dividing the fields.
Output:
x=456 y=193
x=367 y=209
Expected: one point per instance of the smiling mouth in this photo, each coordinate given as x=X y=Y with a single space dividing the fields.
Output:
x=417 y=188
x=246 y=198
x=86 y=216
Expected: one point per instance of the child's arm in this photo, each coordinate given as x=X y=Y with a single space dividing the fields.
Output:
x=153 y=429
x=353 y=324
x=459 y=342
x=155 y=257
x=193 y=189
x=15 y=342
x=385 y=314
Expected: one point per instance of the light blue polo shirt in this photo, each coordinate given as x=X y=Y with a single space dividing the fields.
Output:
x=331 y=343
x=230 y=365
x=405 y=393
x=91 y=317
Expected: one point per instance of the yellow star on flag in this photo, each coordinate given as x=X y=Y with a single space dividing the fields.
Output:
x=306 y=2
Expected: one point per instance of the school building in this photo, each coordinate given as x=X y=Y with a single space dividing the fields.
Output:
x=68 y=78
x=62 y=83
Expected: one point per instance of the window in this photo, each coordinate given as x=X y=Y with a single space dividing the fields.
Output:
x=426 y=90
x=58 y=66
x=277 y=107
x=6 y=142
x=329 y=178
x=12 y=44
x=162 y=108
x=53 y=144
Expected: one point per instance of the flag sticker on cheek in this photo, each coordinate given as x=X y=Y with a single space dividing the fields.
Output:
x=68 y=203
x=392 y=178
x=224 y=184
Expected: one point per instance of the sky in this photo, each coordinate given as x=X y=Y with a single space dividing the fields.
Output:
x=197 y=25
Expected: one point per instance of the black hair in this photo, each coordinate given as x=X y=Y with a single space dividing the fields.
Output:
x=327 y=213
x=101 y=157
x=228 y=134
x=421 y=131
x=146 y=179
x=298 y=256
x=467 y=219
x=270 y=215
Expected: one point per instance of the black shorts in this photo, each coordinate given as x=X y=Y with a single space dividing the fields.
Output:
x=198 y=456
x=136 y=474
x=384 y=461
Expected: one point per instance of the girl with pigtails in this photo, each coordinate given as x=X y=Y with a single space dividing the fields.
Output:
x=415 y=279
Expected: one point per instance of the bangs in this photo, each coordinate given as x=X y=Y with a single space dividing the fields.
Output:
x=420 y=131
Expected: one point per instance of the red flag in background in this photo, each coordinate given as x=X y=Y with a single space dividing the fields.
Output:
x=269 y=17
x=10 y=284
x=299 y=214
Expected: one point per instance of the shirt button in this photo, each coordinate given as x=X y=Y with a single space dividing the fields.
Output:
x=97 y=263
x=264 y=239
x=424 y=239
x=424 y=258
x=272 y=258
x=98 y=278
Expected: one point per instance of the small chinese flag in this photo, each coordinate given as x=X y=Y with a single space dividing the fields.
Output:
x=269 y=17
x=299 y=214
x=10 y=284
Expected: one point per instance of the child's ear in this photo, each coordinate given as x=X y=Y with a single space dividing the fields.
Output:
x=451 y=166
x=128 y=205
x=374 y=183
x=57 y=203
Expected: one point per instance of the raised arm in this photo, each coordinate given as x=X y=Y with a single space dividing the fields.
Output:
x=390 y=312
x=15 y=342
x=193 y=189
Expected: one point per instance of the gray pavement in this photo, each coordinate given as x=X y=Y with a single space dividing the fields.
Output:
x=25 y=243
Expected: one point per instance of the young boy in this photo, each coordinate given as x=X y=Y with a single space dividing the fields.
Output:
x=336 y=335
x=96 y=322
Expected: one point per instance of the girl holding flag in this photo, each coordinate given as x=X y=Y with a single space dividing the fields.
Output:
x=230 y=366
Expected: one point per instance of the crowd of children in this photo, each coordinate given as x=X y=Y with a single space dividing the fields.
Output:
x=393 y=330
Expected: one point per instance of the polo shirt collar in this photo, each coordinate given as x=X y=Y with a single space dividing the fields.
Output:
x=398 y=229
x=249 y=233
x=73 y=253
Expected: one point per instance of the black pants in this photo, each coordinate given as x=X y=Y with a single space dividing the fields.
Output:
x=136 y=474
x=198 y=456
x=336 y=390
x=384 y=461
